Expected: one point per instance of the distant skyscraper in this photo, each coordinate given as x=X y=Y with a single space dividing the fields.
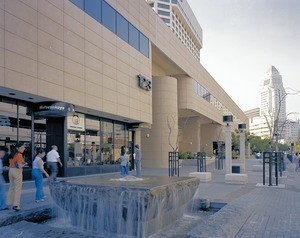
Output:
x=272 y=108
x=273 y=102
x=273 y=95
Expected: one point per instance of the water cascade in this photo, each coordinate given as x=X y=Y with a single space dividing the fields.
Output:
x=124 y=207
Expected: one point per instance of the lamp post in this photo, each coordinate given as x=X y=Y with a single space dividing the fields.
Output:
x=228 y=153
x=242 y=128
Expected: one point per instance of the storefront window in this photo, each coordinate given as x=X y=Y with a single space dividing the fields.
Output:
x=15 y=125
x=107 y=142
x=76 y=139
x=98 y=144
x=119 y=139
x=92 y=142
x=74 y=148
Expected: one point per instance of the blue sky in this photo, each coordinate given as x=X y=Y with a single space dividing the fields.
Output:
x=243 y=38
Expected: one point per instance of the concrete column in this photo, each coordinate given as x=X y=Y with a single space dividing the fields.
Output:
x=156 y=147
x=242 y=151
x=228 y=152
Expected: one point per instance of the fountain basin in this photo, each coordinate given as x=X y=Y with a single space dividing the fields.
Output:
x=114 y=207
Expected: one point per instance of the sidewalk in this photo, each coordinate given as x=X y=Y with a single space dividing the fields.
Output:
x=251 y=211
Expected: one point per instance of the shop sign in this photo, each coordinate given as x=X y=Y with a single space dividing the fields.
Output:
x=51 y=109
x=144 y=83
x=76 y=122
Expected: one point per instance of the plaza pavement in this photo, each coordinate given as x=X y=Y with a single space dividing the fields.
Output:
x=250 y=211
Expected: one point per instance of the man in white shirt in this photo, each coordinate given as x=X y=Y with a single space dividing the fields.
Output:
x=52 y=160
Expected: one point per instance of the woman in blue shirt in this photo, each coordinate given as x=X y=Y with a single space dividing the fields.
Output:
x=37 y=174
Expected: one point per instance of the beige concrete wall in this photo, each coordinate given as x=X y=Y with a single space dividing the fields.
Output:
x=188 y=99
x=68 y=52
x=178 y=55
x=190 y=129
x=53 y=49
x=209 y=133
x=163 y=135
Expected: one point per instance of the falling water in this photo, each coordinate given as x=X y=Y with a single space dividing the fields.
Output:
x=124 y=207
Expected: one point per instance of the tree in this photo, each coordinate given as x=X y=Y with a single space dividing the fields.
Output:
x=275 y=123
x=172 y=123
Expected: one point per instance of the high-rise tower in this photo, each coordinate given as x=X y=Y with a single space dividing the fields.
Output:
x=178 y=15
x=273 y=95
x=273 y=100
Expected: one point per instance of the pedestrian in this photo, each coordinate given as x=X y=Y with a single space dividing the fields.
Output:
x=52 y=160
x=15 y=175
x=3 y=205
x=124 y=158
x=37 y=174
x=137 y=160
x=296 y=161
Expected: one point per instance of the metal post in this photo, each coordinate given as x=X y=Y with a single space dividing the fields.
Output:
x=242 y=150
x=228 y=152
x=264 y=168
x=270 y=169
x=276 y=168
x=173 y=163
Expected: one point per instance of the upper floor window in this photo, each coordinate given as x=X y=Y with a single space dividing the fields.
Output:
x=134 y=37
x=122 y=28
x=93 y=8
x=105 y=14
x=108 y=17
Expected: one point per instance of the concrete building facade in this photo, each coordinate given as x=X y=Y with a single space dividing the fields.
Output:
x=91 y=76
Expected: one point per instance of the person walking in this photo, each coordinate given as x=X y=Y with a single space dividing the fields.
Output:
x=3 y=205
x=52 y=160
x=15 y=175
x=137 y=160
x=296 y=161
x=37 y=174
x=124 y=158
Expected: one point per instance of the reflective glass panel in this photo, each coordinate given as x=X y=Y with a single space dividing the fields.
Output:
x=144 y=45
x=93 y=8
x=79 y=3
x=133 y=37
x=107 y=142
x=108 y=17
x=122 y=27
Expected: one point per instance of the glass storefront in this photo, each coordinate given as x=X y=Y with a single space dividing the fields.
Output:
x=92 y=142
x=99 y=143
x=16 y=127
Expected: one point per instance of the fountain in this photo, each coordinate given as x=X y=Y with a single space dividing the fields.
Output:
x=124 y=206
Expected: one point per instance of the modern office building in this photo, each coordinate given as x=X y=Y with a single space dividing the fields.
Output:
x=272 y=111
x=180 y=18
x=273 y=96
x=91 y=76
x=257 y=124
